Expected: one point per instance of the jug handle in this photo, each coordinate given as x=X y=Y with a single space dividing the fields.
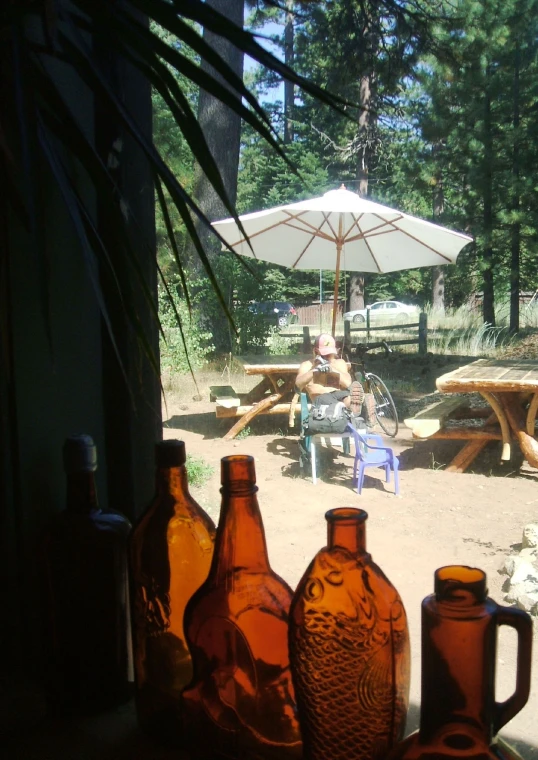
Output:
x=522 y=623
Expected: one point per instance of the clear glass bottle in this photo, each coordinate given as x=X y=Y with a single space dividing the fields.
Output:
x=459 y=717
x=85 y=555
x=349 y=649
x=170 y=551
x=240 y=703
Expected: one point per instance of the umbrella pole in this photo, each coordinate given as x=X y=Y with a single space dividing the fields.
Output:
x=337 y=277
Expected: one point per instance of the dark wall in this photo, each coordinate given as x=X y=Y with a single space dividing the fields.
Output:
x=69 y=381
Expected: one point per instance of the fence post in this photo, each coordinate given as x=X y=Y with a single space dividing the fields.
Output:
x=422 y=333
x=347 y=335
x=307 y=346
x=367 y=325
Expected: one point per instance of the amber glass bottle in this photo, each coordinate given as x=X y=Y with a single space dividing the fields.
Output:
x=170 y=552
x=458 y=713
x=349 y=649
x=240 y=703
x=85 y=555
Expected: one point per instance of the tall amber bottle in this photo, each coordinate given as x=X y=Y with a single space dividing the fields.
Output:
x=85 y=556
x=349 y=649
x=171 y=549
x=458 y=713
x=240 y=703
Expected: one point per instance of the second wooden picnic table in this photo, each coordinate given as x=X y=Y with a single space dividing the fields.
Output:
x=509 y=386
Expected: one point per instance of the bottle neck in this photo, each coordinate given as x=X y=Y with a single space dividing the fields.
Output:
x=346 y=529
x=240 y=541
x=172 y=481
x=81 y=493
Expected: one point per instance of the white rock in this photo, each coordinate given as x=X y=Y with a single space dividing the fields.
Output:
x=508 y=565
x=520 y=589
x=528 y=602
x=530 y=536
x=529 y=553
x=524 y=572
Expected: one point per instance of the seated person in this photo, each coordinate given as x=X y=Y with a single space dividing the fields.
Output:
x=326 y=360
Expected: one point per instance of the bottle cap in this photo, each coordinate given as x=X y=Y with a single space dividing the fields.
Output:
x=170 y=453
x=237 y=473
x=459 y=584
x=80 y=453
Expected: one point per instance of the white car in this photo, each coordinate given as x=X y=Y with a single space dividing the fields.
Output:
x=381 y=310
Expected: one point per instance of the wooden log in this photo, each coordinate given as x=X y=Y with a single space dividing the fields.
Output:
x=256 y=409
x=430 y=420
x=239 y=411
x=258 y=392
x=467 y=455
x=531 y=415
x=467 y=434
x=291 y=418
x=471 y=413
x=516 y=418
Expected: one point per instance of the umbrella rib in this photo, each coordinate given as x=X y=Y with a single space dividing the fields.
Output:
x=429 y=247
x=366 y=244
x=316 y=230
x=315 y=233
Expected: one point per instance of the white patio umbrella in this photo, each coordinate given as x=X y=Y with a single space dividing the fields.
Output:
x=312 y=234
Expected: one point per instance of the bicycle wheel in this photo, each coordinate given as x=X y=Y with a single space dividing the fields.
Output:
x=385 y=409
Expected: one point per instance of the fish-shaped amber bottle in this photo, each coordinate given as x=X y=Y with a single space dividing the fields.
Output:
x=349 y=649
x=240 y=703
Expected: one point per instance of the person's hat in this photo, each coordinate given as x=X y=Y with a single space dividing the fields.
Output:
x=325 y=344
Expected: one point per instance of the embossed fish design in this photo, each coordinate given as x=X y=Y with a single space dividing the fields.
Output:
x=349 y=648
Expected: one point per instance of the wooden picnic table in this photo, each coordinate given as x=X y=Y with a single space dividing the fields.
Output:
x=272 y=395
x=510 y=386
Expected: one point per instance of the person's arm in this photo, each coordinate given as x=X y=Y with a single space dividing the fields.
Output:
x=304 y=376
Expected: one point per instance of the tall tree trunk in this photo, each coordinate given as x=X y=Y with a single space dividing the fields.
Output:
x=488 y=306
x=221 y=127
x=365 y=125
x=289 y=89
x=438 y=273
x=516 y=226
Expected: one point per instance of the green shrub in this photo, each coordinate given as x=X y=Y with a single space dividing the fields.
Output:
x=198 y=471
x=196 y=342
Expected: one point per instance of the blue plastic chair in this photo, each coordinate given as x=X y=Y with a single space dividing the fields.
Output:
x=311 y=440
x=370 y=452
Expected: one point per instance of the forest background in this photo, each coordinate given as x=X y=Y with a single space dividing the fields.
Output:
x=441 y=123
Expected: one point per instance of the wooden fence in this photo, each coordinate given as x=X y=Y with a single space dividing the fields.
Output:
x=419 y=338
x=316 y=314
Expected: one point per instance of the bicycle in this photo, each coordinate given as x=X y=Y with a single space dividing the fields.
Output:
x=385 y=408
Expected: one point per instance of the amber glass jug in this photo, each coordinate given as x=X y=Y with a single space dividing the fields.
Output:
x=459 y=716
x=349 y=649
x=240 y=703
x=171 y=550
x=85 y=563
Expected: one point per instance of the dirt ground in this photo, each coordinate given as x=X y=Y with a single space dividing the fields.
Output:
x=440 y=518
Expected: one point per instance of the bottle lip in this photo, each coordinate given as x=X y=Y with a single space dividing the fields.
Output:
x=238 y=474
x=170 y=453
x=460 y=584
x=349 y=515
x=79 y=453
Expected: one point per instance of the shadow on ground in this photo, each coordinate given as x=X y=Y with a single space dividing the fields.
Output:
x=437 y=455
x=207 y=424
